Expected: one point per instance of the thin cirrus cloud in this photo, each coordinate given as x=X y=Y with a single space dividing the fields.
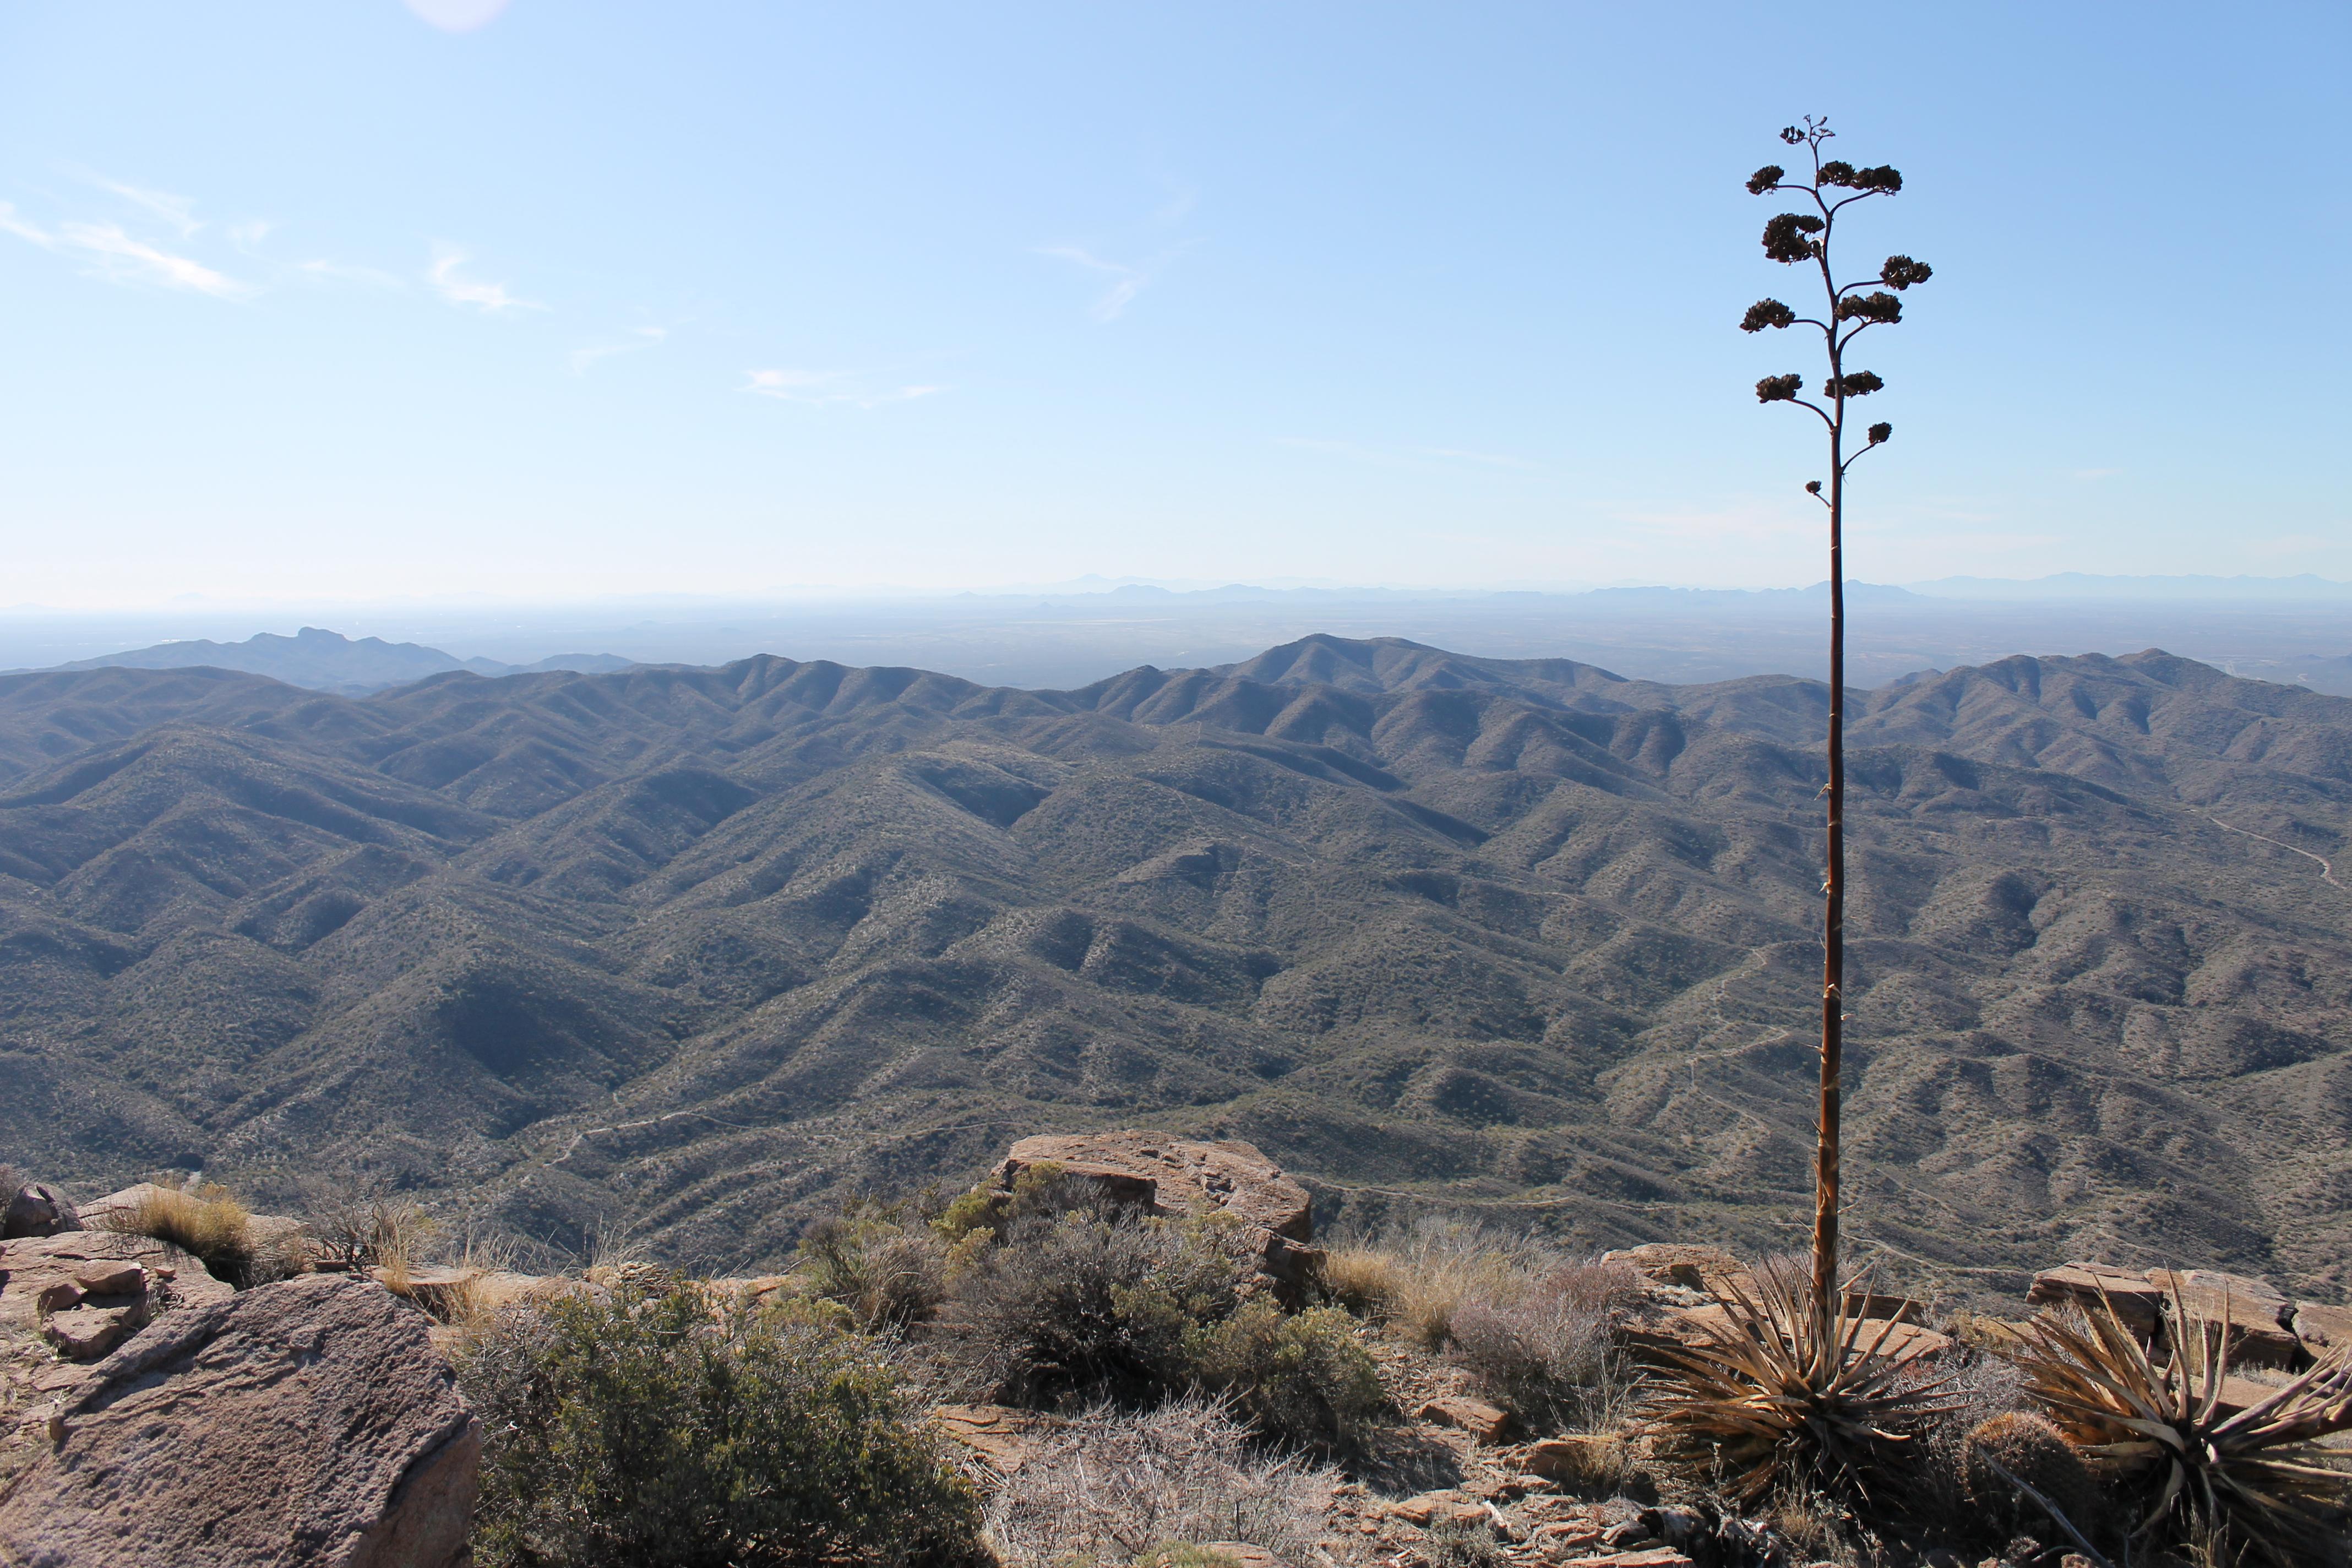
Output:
x=108 y=251
x=177 y=211
x=644 y=338
x=829 y=386
x=490 y=298
x=1126 y=282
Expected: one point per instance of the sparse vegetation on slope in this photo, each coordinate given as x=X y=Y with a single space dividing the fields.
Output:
x=712 y=950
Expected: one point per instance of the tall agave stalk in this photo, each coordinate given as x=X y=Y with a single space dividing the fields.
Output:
x=1848 y=310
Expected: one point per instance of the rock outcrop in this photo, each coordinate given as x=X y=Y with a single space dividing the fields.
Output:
x=35 y=1209
x=87 y=1290
x=1175 y=1176
x=300 y=1424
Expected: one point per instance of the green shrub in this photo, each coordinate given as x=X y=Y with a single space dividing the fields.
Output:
x=1303 y=1380
x=686 y=1430
x=1080 y=1305
x=869 y=1260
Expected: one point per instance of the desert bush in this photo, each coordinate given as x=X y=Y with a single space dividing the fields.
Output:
x=1301 y=1379
x=370 y=1226
x=1413 y=1282
x=687 y=1430
x=1079 y=1305
x=1782 y=1403
x=1110 y=1485
x=1456 y=1544
x=869 y=1260
x=1547 y=1350
x=212 y=1226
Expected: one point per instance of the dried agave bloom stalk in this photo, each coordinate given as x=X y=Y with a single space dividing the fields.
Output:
x=1787 y=1396
x=2257 y=1476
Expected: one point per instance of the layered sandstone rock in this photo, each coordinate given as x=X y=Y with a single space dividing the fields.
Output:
x=305 y=1423
x=1175 y=1176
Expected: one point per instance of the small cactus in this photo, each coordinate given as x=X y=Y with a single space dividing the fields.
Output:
x=2032 y=1450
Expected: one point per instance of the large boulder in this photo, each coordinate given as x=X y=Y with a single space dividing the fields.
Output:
x=1159 y=1175
x=303 y=1425
x=35 y=1209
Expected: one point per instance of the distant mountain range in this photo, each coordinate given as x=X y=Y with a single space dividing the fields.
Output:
x=696 y=954
x=328 y=661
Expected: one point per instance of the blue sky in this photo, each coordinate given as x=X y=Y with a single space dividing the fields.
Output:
x=305 y=302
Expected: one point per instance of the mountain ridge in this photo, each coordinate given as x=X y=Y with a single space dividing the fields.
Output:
x=701 y=948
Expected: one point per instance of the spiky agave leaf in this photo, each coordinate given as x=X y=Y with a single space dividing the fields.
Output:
x=2259 y=1475
x=1787 y=1395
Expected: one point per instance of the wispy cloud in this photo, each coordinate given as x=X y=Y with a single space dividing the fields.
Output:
x=177 y=211
x=646 y=338
x=120 y=257
x=488 y=298
x=829 y=386
x=1127 y=281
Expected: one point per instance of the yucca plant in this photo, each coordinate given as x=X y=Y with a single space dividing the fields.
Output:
x=1785 y=1398
x=2255 y=1478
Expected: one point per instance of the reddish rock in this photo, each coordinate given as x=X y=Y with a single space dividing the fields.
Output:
x=1577 y=1461
x=305 y=1424
x=1176 y=1176
x=36 y=1210
x=2257 y=1314
x=2137 y=1303
x=30 y=1265
x=112 y=1277
x=1437 y=1508
x=2322 y=1329
x=59 y=1296
x=1692 y=1267
x=86 y=1333
x=1481 y=1420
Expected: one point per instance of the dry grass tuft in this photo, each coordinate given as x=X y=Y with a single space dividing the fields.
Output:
x=1110 y=1486
x=208 y=1223
x=2258 y=1480
x=1782 y=1403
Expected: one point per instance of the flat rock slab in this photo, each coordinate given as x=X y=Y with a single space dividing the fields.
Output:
x=301 y=1425
x=2138 y=1304
x=2257 y=1314
x=31 y=1264
x=1176 y=1176
x=2322 y=1329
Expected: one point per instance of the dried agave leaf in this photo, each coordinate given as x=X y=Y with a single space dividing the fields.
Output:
x=1788 y=1396
x=2259 y=1478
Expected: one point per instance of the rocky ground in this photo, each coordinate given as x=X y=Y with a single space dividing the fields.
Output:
x=151 y=1413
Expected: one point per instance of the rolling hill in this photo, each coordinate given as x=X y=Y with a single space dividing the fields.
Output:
x=699 y=951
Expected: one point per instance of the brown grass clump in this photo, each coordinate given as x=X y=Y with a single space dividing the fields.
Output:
x=1785 y=1402
x=1547 y=1350
x=2258 y=1480
x=1109 y=1486
x=208 y=1223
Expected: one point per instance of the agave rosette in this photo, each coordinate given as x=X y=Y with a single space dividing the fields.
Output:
x=2254 y=1468
x=1782 y=1394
